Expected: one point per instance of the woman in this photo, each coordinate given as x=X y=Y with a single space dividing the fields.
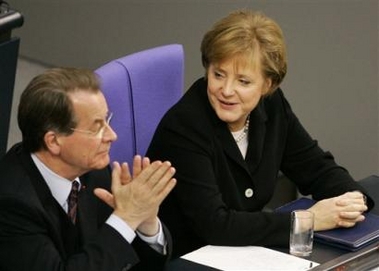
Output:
x=230 y=135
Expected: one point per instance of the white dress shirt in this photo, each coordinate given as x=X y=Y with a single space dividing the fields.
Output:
x=61 y=187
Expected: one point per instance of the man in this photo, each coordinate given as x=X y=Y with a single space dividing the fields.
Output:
x=66 y=137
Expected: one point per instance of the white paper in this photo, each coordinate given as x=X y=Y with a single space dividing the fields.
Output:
x=247 y=258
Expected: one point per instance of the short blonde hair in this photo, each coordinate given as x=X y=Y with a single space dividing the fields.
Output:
x=245 y=33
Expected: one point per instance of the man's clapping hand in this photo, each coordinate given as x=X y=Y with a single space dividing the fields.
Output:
x=136 y=197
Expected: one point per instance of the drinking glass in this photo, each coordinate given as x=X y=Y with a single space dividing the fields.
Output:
x=301 y=234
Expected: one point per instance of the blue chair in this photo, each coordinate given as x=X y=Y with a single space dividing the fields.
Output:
x=139 y=89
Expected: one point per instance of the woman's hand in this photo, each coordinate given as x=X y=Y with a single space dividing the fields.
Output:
x=342 y=211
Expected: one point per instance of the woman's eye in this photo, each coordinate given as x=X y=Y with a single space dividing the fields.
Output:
x=244 y=82
x=217 y=74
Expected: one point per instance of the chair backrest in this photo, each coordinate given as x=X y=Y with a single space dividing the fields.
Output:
x=139 y=89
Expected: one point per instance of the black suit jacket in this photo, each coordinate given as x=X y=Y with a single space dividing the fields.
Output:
x=35 y=233
x=212 y=202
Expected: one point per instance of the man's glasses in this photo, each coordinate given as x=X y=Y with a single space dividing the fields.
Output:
x=99 y=132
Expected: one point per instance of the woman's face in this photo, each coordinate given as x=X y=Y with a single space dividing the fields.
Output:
x=234 y=90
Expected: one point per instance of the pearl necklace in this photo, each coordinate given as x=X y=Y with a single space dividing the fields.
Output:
x=244 y=132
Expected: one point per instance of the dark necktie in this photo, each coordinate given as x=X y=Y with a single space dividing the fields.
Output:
x=73 y=201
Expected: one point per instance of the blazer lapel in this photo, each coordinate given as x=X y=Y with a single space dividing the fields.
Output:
x=228 y=143
x=45 y=201
x=87 y=212
x=257 y=132
x=92 y=211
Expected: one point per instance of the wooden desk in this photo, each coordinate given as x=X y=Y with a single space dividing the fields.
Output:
x=325 y=255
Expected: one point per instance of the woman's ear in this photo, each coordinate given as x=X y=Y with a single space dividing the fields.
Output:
x=267 y=87
x=52 y=142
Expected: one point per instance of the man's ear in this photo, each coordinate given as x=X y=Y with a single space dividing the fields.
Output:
x=52 y=142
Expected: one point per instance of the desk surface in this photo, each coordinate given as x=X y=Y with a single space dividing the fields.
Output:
x=322 y=253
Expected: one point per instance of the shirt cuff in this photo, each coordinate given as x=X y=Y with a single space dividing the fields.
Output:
x=157 y=242
x=121 y=227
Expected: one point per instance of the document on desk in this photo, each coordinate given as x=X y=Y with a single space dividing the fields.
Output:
x=247 y=258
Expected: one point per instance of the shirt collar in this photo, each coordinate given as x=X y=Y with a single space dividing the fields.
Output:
x=60 y=187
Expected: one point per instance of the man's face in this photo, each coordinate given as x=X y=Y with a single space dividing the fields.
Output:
x=87 y=148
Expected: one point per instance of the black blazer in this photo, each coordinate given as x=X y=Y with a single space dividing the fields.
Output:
x=35 y=233
x=219 y=196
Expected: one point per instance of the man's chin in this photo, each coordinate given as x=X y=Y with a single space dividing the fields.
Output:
x=101 y=162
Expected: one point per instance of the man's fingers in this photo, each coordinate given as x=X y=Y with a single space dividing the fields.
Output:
x=156 y=181
x=145 y=162
x=116 y=176
x=146 y=174
x=167 y=189
x=105 y=196
x=137 y=165
x=125 y=174
x=159 y=181
x=163 y=172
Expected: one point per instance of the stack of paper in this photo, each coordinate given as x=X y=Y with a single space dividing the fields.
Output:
x=247 y=258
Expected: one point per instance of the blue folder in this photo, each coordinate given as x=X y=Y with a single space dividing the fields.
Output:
x=352 y=239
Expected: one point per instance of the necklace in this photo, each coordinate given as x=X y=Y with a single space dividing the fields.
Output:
x=244 y=131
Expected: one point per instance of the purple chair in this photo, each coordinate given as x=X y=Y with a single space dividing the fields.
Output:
x=139 y=89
